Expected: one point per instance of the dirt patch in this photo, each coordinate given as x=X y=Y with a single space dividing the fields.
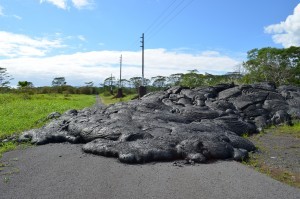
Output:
x=278 y=155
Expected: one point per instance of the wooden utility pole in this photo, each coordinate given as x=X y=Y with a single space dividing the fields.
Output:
x=143 y=48
x=120 y=86
x=120 y=93
x=111 y=90
x=142 y=88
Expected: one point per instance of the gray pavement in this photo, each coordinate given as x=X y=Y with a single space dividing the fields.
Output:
x=64 y=171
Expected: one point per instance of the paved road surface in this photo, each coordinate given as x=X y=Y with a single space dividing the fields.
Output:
x=64 y=171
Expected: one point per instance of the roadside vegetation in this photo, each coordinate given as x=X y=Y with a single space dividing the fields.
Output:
x=20 y=112
x=23 y=112
x=278 y=153
x=107 y=98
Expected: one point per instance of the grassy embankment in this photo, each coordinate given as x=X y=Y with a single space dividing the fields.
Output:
x=20 y=112
x=109 y=99
x=270 y=159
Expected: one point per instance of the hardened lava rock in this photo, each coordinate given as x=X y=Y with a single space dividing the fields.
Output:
x=197 y=124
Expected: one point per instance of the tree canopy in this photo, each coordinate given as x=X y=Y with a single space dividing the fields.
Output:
x=25 y=84
x=59 y=81
x=5 y=78
x=281 y=66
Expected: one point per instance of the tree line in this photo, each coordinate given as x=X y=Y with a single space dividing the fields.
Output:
x=280 y=66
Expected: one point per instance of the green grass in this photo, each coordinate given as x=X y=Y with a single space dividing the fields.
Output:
x=20 y=112
x=109 y=99
x=286 y=129
x=8 y=146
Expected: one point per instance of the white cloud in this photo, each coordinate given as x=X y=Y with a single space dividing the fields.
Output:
x=4 y=15
x=81 y=37
x=17 y=45
x=17 y=17
x=63 y=4
x=98 y=65
x=287 y=32
x=58 y=3
x=80 y=4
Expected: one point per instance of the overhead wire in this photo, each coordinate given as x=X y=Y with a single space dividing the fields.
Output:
x=174 y=8
x=165 y=22
x=163 y=19
x=160 y=16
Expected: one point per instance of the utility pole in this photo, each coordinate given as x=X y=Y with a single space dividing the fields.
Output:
x=120 y=71
x=143 y=48
x=120 y=92
x=111 y=90
x=142 y=88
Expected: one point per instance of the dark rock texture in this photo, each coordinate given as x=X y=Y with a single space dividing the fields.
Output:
x=193 y=124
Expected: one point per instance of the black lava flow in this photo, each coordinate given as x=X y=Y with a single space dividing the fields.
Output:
x=195 y=125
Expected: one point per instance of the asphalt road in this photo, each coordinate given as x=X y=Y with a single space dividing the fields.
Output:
x=64 y=171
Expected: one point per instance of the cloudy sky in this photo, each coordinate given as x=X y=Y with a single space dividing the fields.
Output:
x=82 y=40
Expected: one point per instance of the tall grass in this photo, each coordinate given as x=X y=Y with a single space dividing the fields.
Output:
x=20 y=112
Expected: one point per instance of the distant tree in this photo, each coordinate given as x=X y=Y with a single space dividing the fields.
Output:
x=110 y=81
x=159 y=81
x=25 y=84
x=59 y=81
x=5 y=78
x=174 y=79
x=137 y=81
x=281 y=66
x=125 y=82
x=88 y=89
x=89 y=84
x=192 y=79
x=147 y=82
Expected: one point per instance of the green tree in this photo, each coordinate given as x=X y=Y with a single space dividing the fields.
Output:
x=125 y=83
x=159 y=81
x=137 y=81
x=174 y=79
x=5 y=78
x=110 y=81
x=59 y=81
x=89 y=84
x=281 y=66
x=192 y=79
x=25 y=84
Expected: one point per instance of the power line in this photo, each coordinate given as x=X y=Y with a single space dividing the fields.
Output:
x=174 y=16
x=166 y=17
x=164 y=12
x=159 y=19
x=169 y=13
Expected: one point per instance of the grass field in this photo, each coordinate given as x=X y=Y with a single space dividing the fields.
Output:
x=109 y=99
x=19 y=112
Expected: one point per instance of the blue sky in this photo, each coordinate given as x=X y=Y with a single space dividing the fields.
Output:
x=82 y=40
